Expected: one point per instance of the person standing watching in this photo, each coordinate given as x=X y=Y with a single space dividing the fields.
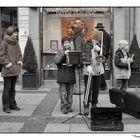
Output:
x=123 y=62
x=11 y=60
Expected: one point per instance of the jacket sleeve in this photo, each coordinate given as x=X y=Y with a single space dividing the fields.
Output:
x=78 y=43
x=60 y=57
x=87 y=53
x=3 y=57
x=118 y=62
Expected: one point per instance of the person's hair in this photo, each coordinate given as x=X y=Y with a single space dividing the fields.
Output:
x=65 y=38
x=97 y=35
x=10 y=30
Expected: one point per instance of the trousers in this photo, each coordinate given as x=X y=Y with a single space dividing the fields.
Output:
x=8 y=96
x=94 y=88
x=66 y=94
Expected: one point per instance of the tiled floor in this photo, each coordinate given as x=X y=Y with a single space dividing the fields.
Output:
x=82 y=127
x=28 y=104
x=41 y=113
x=10 y=127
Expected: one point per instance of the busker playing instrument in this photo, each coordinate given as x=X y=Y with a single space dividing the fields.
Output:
x=65 y=77
x=93 y=69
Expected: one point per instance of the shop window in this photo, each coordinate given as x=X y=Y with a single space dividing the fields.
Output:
x=8 y=18
x=56 y=22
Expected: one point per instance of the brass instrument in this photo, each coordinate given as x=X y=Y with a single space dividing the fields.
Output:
x=100 y=58
x=86 y=96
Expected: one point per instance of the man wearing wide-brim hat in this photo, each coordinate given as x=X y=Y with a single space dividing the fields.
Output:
x=106 y=49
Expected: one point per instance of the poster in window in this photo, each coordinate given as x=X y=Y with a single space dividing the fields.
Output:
x=54 y=46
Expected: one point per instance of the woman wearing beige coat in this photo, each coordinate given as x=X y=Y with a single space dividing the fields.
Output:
x=11 y=60
x=122 y=61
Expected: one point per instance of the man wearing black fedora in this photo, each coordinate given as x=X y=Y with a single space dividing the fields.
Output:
x=106 y=49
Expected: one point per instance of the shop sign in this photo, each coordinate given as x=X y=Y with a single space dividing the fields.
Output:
x=82 y=12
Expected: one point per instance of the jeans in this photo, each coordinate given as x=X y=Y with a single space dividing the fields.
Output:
x=76 y=85
x=94 y=88
x=66 y=94
x=8 y=96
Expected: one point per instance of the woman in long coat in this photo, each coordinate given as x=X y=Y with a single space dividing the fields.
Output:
x=11 y=60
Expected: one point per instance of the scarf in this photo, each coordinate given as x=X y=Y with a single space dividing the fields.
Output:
x=10 y=39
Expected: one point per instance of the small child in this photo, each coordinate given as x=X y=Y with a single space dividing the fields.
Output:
x=122 y=62
x=65 y=76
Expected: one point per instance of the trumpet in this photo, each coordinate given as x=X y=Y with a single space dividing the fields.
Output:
x=86 y=96
x=100 y=58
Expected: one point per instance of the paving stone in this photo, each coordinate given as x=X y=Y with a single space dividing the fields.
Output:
x=10 y=127
x=80 y=128
x=132 y=128
x=33 y=99
x=57 y=128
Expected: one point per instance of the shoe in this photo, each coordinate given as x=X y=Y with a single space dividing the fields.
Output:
x=94 y=105
x=86 y=110
x=69 y=109
x=81 y=93
x=103 y=88
x=64 y=110
x=75 y=93
x=15 y=108
x=7 y=110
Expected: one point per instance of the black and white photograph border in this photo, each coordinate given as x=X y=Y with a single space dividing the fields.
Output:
x=40 y=108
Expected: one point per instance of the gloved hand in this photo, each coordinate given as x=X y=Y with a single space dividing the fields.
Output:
x=20 y=63
x=96 y=48
x=8 y=65
x=89 y=69
x=66 y=52
x=130 y=60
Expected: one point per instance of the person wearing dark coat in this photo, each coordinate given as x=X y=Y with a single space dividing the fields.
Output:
x=65 y=76
x=106 y=49
x=11 y=60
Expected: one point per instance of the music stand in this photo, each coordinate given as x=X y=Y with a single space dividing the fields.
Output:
x=75 y=57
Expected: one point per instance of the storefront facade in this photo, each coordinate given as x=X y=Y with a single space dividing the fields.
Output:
x=56 y=23
x=47 y=25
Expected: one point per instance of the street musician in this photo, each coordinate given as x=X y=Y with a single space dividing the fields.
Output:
x=92 y=70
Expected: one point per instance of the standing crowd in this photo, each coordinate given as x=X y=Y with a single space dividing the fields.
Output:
x=95 y=52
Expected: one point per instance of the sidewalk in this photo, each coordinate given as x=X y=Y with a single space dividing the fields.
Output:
x=40 y=113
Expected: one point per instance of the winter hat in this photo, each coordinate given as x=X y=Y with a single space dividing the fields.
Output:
x=65 y=38
x=122 y=44
x=10 y=30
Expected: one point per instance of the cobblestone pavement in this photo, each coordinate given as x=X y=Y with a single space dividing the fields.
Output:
x=40 y=113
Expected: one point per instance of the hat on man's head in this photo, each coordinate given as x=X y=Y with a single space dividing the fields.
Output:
x=122 y=44
x=99 y=25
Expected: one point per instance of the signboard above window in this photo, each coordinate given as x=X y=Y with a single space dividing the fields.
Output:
x=75 y=12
